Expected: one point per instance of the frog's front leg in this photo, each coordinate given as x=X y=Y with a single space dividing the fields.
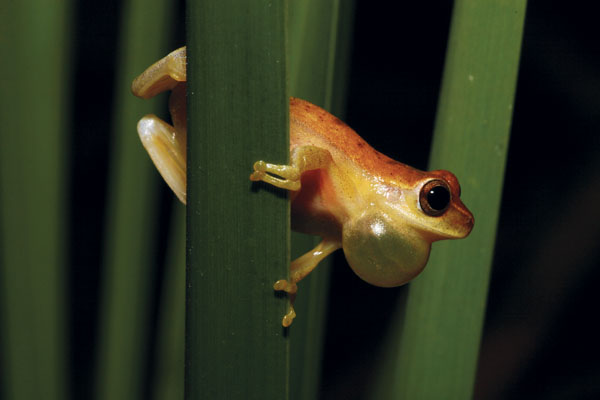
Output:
x=304 y=158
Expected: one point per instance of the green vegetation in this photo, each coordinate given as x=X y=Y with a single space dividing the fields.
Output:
x=131 y=212
x=34 y=121
x=237 y=231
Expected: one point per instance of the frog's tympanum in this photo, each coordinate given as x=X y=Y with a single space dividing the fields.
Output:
x=382 y=213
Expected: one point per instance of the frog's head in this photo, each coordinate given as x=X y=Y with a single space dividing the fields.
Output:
x=388 y=244
x=435 y=208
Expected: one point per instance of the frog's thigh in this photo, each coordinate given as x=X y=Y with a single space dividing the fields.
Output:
x=162 y=75
x=303 y=158
x=167 y=152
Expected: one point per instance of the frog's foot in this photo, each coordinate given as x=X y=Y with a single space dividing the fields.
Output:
x=304 y=158
x=163 y=75
x=289 y=317
x=282 y=176
x=291 y=289
x=284 y=286
x=300 y=268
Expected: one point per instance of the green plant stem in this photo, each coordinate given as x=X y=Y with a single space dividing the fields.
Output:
x=237 y=231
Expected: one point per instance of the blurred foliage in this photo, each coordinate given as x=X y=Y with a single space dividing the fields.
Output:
x=131 y=231
x=35 y=120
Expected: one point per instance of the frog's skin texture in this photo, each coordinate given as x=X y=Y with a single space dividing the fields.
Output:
x=382 y=213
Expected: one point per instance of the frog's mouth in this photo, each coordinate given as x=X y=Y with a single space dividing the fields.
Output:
x=456 y=223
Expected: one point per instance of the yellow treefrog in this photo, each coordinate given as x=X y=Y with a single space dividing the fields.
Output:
x=382 y=213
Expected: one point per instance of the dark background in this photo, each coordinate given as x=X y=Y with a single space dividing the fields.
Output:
x=540 y=335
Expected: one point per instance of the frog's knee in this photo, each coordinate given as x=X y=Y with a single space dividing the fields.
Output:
x=167 y=153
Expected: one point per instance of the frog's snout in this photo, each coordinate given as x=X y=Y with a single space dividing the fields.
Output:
x=464 y=220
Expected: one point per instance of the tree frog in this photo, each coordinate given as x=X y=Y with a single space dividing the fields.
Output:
x=382 y=213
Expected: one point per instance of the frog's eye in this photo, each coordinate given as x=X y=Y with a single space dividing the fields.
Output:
x=435 y=197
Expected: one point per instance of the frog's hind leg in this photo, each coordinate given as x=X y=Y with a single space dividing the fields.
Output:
x=167 y=150
x=299 y=269
x=166 y=144
x=163 y=75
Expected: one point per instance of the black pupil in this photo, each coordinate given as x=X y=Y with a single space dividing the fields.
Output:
x=438 y=198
